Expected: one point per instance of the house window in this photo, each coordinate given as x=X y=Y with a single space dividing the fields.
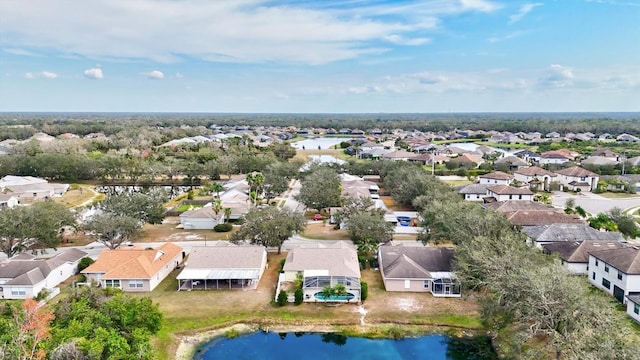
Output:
x=510 y=197
x=636 y=308
x=606 y=268
x=606 y=283
x=136 y=284
x=18 y=291
x=619 y=275
x=112 y=283
x=596 y=262
x=426 y=284
x=593 y=276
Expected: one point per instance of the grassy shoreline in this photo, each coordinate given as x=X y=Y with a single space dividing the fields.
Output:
x=192 y=342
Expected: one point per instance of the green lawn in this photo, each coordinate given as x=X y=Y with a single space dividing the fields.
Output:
x=613 y=195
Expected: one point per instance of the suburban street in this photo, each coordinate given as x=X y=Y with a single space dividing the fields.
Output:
x=594 y=203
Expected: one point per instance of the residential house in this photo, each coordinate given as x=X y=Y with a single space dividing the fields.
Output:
x=510 y=206
x=398 y=155
x=506 y=192
x=554 y=157
x=598 y=161
x=574 y=255
x=468 y=160
x=606 y=153
x=527 y=218
x=537 y=178
x=28 y=189
x=563 y=232
x=23 y=276
x=223 y=267
x=134 y=269
x=474 y=192
x=510 y=163
x=203 y=218
x=627 y=138
x=8 y=201
x=528 y=156
x=418 y=269
x=633 y=307
x=322 y=265
x=616 y=272
x=578 y=179
x=496 y=178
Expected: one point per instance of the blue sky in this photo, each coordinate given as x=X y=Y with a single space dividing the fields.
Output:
x=320 y=56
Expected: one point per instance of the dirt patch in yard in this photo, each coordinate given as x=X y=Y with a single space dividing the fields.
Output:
x=324 y=231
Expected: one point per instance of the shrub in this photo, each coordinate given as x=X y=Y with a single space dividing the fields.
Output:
x=282 y=298
x=42 y=294
x=232 y=333
x=190 y=195
x=299 y=296
x=364 y=290
x=282 y=265
x=226 y=227
x=84 y=263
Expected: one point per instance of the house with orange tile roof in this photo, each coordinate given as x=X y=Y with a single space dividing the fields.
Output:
x=134 y=269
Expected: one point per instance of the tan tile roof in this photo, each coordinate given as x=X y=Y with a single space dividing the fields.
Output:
x=509 y=190
x=133 y=263
x=535 y=171
x=575 y=171
x=497 y=175
x=540 y=217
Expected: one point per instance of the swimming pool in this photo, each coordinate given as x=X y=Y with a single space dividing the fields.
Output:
x=347 y=297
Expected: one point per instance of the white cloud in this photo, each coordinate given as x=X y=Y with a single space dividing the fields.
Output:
x=94 y=73
x=399 y=40
x=557 y=76
x=179 y=75
x=41 y=75
x=17 y=51
x=479 y=5
x=226 y=31
x=524 y=10
x=154 y=75
x=509 y=36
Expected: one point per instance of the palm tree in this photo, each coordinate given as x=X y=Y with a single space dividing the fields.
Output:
x=217 y=207
x=227 y=214
x=217 y=187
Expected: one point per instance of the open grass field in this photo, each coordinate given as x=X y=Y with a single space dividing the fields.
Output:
x=79 y=195
x=188 y=312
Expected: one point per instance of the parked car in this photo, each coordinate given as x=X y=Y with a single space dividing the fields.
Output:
x=317 y=217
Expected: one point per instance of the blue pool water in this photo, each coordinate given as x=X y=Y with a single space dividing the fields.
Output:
x=319 y=296
x=331 y=346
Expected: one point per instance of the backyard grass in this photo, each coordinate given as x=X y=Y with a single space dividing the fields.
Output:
x=217 y=308
x=79 y=195
x=167 y=231
x=456 y=183
x=320 y=231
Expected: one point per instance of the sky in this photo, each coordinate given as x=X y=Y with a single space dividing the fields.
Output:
x=320 y=56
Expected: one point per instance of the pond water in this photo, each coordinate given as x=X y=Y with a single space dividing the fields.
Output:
x=323 y=142
x=332 y=346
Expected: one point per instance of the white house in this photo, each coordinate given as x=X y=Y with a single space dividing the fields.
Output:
x=496 y=178
x=8 y=201
x=474 y=192
x=633 y=307
x=506 y=192
x=200 y=219
x=537 y=178
x=616 y=272
x=23 y=276
x=578 y=179
x=574 y=255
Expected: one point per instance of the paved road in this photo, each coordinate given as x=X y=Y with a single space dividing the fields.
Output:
x=594 y=203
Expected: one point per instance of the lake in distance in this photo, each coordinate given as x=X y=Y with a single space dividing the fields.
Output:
x=332 y=346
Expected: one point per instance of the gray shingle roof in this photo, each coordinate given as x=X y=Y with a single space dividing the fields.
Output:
x=399 y=262
x=342 y=261
x=626 y=259
x=475 y=189
x=509 y=190
x=578 y=251
x=569 y=232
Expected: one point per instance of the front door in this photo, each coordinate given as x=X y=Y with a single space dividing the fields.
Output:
x=618 y=294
